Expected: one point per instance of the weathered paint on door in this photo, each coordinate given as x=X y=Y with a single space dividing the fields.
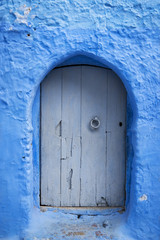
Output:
x=83 y=112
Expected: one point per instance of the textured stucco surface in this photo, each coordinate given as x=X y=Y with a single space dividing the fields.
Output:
x=34 y=38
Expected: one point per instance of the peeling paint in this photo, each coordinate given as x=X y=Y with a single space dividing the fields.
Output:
x=22 y=18
x=69 y=179
x=143 y=197
x=58 y=130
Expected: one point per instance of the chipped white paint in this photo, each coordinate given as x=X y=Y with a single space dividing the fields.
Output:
x=143 y=197
x=22 y=18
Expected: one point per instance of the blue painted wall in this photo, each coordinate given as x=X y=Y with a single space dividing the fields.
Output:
x=38 y=36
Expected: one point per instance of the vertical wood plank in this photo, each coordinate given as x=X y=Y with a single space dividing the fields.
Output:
x=71 y=105
x=50 y=138
x=94 y=86
x=116 y=116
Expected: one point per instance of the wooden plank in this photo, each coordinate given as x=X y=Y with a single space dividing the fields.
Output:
x=71 y=141
x=50 y=138
x=116 y=116
x=94 y=89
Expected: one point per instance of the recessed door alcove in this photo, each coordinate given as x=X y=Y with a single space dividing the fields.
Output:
x=83 y=122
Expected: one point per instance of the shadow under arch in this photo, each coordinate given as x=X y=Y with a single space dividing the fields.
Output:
x=86 y=59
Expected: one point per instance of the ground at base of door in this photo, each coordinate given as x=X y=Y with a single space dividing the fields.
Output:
x=75 y=226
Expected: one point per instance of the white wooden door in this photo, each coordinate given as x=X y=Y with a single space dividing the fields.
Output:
x=83 y=111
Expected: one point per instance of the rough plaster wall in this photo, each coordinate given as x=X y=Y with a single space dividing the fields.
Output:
x=35 y=37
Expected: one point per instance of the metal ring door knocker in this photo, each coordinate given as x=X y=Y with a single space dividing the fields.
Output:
x=95 y=123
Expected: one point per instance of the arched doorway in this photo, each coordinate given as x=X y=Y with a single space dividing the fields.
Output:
x=83 y=125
